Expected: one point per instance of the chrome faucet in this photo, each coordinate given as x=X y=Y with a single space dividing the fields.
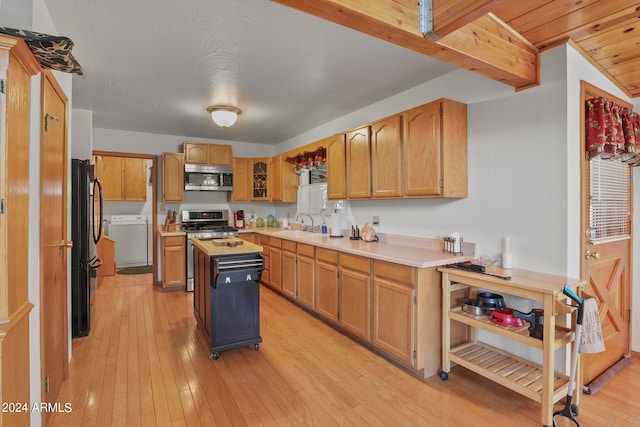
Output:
x=304 y=227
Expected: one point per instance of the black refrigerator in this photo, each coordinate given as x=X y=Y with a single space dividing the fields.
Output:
x=86 y=231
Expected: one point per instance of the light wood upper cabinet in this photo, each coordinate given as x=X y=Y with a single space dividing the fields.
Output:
x=241 y=180
x=261 y=179
x=276 y=179
x=284 y=181
x=220 y=155
x=207 y=154
x=386 y=157
x=110 y=172
x=336 y=167
x=358 y=163
x=195 y=153
x=172 y=177
x=435 y=150
x=123 y=178
x=134 y=179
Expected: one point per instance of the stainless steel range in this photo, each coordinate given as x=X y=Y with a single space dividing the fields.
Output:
x=202 y=224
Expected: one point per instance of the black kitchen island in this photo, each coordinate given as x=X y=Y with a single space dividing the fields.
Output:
x=226 y=296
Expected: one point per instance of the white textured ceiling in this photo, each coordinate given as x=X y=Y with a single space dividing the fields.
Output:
x=156 y=65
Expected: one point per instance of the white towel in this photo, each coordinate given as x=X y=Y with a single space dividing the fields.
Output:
x=591 y=340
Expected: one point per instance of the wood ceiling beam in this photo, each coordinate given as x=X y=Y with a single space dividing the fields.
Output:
x=452 y=15
x=486 y=46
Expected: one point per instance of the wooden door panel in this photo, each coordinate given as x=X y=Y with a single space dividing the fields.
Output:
x=53 y=235
x=608 y=282
x=607 y=274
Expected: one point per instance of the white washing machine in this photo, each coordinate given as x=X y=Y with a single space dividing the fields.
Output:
x=130 y=235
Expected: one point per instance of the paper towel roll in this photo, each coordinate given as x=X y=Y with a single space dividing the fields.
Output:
x=335 y=224
x=456 y=243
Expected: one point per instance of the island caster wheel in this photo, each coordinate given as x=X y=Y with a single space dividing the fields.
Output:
x=574 y=410
x=215 y=356
x=443 y=375
x=257 y=347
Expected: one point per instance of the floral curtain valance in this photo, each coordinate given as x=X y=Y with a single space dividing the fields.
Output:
x=52 y=52
x=613 y=131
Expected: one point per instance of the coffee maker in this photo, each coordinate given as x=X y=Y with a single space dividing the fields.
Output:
x=238 y=219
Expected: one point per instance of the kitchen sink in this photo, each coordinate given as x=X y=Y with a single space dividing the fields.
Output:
x=295 y=233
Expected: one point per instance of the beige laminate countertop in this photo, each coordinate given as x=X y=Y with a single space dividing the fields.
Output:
x=405 y=250
x=164 y=233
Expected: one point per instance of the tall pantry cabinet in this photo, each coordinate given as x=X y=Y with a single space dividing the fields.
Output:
x=17 y=66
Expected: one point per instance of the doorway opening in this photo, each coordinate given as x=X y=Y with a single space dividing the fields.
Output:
x=130 y=207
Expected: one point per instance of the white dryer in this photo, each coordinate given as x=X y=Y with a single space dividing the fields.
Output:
x=130 y=235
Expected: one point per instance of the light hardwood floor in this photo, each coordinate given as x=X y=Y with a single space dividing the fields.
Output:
x=146 y=363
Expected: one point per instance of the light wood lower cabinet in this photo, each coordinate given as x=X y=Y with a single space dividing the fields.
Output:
x=354 y=313
x=394 y=310
x=251 y=237
x=265 y=278
x=202 y=288
x=288 y=270
x=106 y=249
x=173 y=262
x=305 y=277
x=393 y=307
x=275 y=263
x=327 y=284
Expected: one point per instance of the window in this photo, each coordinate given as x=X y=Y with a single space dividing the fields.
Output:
x=610 y=203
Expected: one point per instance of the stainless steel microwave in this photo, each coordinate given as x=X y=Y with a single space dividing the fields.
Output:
x=208 y=178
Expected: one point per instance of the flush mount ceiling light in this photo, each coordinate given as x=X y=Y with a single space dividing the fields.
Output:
x=223 y=115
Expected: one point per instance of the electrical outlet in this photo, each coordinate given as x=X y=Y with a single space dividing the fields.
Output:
x=163 y=207
x=376 y=220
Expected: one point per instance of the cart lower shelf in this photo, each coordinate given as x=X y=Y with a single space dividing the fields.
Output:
x=519 y=375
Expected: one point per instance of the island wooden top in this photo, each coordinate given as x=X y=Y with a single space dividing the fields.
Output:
x=215 y=248
x=528 y=284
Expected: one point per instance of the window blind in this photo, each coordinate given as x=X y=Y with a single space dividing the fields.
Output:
x=610 y=203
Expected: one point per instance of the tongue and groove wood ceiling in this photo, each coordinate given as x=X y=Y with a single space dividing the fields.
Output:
x=501 y=39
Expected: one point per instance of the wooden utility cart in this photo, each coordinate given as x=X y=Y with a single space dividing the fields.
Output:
x=540 y=383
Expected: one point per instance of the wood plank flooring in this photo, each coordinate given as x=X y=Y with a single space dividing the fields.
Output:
x=146 y=363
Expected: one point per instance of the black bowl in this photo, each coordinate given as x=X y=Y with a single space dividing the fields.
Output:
x=490 y=301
